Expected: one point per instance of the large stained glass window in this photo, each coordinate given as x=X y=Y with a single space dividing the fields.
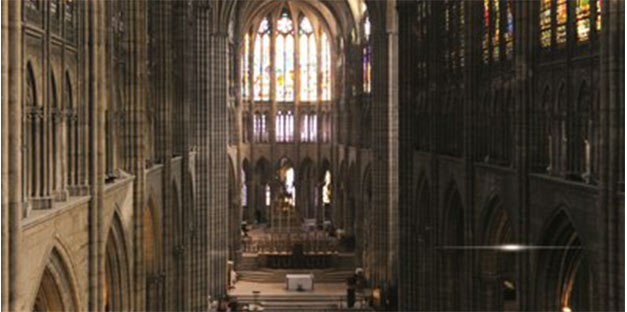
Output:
x=274 y=57
x=284 y=58
x=245 y=69
x=367 y=58
x=496 y=31
x=486 y=31
x=509 y=31
x=462 y=35
x=325 y=84
x=545 y=23
x=583 y=20
x=498 y=24
x=284 y=126
x=308 y=62
x=562 y=18
x=599 y=14
x=261 y=60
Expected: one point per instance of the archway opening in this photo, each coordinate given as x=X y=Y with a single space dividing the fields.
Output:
x=453 y=278
x=498 y=267
x=56 y=290
x=116 y=280
x=565 y=281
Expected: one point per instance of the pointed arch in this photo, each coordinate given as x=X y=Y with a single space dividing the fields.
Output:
x=57 y=285
x=32 y=108
x=453 y=260
x=116 y=287
x=497 y=268
x=564 y=278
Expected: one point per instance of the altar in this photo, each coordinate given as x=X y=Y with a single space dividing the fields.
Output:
x=299 y=282
x=289 y=241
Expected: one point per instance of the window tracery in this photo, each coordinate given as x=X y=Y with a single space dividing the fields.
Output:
x=557 y=12
x=498 y=30
x=270 y=52
x=367 y=58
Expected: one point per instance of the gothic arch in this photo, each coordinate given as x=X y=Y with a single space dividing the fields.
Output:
x=262 y=179
x=306 y=191
x=497 y=268
x=453 y=259
x=563 y=278
x=57 y=286
x=152 y=244
x=420 y=246
x=116 y=286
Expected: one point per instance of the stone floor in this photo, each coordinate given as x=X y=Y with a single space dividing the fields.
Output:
x=247 y=288
x=275 y=297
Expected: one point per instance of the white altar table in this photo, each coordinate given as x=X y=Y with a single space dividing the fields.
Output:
x=305 y=281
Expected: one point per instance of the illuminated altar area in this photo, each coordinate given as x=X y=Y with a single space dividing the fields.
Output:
x=288 y=240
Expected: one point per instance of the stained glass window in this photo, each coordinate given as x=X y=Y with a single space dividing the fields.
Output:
x=562 y=18
x=284 y=59
x=599 y=14
x=486 y=31
x=289 y=127
x=280 y=122
x=367 y=55
x=509 y=32
x=261 y=60
x=326 y=189
x=304 y=131
x=313 y=127
x=264 y=132
x=326 y=68
x=583 y=20
x=462 y=35
x=496 y=32
x=308 y=61
x=545 y=23
x=245 y=72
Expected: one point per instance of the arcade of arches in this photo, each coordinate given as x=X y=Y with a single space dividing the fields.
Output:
x=460 y=155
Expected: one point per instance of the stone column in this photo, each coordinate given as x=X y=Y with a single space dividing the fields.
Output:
x=12 y=117
x=385 y=142
x=611 y=156
x=136 y=88
x=406 y=52
x=524 y=49
x=97 y=104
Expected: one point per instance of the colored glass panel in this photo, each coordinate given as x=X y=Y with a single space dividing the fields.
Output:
x=583 y=20
x=257 y=68
x=462 y=35
x=599 y=14
x=562 y=18
x=245 y=68
x=496 y=13
x=366 y=58
x=308 y=61
x=326 y=68
x=545 y=23
x=509 y=32
x=284 y=59
x=486 y=31
x=261 y=62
